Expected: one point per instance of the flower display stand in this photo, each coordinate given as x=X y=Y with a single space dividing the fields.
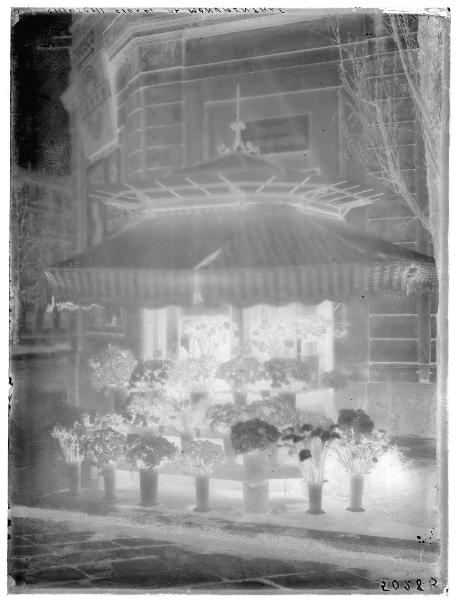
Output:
x=202 y=493
x=149 y=485
x=255 y=484
x=74 y=477
x=357 y=482
x=109 y=481
x=315 y=498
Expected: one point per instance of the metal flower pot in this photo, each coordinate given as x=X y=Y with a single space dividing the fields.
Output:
x=149 y=483
x=315 y=498
x=255 y=485
x=109 y=481
x=356 y=493
x=74 y=477
x=202 y=493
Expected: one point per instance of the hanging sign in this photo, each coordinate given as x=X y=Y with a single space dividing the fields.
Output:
x=97 y=115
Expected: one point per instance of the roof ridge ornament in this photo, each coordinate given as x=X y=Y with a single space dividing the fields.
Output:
x=238 y=126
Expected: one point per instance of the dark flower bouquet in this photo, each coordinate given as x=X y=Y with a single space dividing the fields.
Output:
x=333 y=379
x=104 y=445
x=254 y=434
x=201 y=457
x=151 y=374
x=274 y=412
x=312 y=444
x=241 y=371
x=284 y=371
x=111 y=368
x=149 y=452
x=221 y=417
x=360 y=445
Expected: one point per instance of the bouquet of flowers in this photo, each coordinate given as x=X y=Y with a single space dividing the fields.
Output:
x=191 y=375
x=70 y=441
x=254 y=434
x=140 y=408
x=104 y=445
x=274 y=412
x=357 y=452
x=209 y=337
x=110 y=421
x=241 y=371
x=151 y=374
x=312 y=444
x=221 y=417
x=360 y=445
x=111 y=368
x=149 y=452
x=333 y=379
x=201 y=457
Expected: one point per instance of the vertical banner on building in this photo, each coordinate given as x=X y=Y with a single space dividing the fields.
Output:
x=97 y=115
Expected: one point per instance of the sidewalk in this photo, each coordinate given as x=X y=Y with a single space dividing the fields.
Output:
x=64 y=550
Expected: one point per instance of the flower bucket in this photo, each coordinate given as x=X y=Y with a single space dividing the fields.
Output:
x=356 y=493
x=255 y=467
x=289 y=398
x=149 y=482
x=256 y=497
x=109 y=481
x=230 y=458
x=255 y=485
x=186 y=438
x=202 y=493
x=315 y=498
x=240 y=398
x=273 y=456
x=74 y=477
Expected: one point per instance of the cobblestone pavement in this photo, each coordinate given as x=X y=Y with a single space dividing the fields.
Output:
x=50 y=555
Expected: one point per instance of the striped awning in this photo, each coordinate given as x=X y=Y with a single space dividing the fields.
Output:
x=271 y=254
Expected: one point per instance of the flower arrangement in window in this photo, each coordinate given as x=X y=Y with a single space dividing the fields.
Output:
x=312 y=444
x=252 y=435
x=201 y=457
x=274 y=412
x=70 y=442
x=278 y=338
x=105 y=445
x=240 y=372
x=150 y=452
x=221 y=417
x=210 y=336
x=112 y=367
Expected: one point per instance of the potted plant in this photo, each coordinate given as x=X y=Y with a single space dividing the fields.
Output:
x=151 y=375
x=275 y=412
x=148 y=453
x=312 y=444
x=240 y=372
x=106 y=446
x=200 y=458
x=220 y=418
x=70 y=444
x=253 y=439
x=358 y=450
x=111 y=369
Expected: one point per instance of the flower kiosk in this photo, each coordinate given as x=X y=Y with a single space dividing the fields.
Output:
x=237 y=260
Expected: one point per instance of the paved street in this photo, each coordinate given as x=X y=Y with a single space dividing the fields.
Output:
x=73 y=551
